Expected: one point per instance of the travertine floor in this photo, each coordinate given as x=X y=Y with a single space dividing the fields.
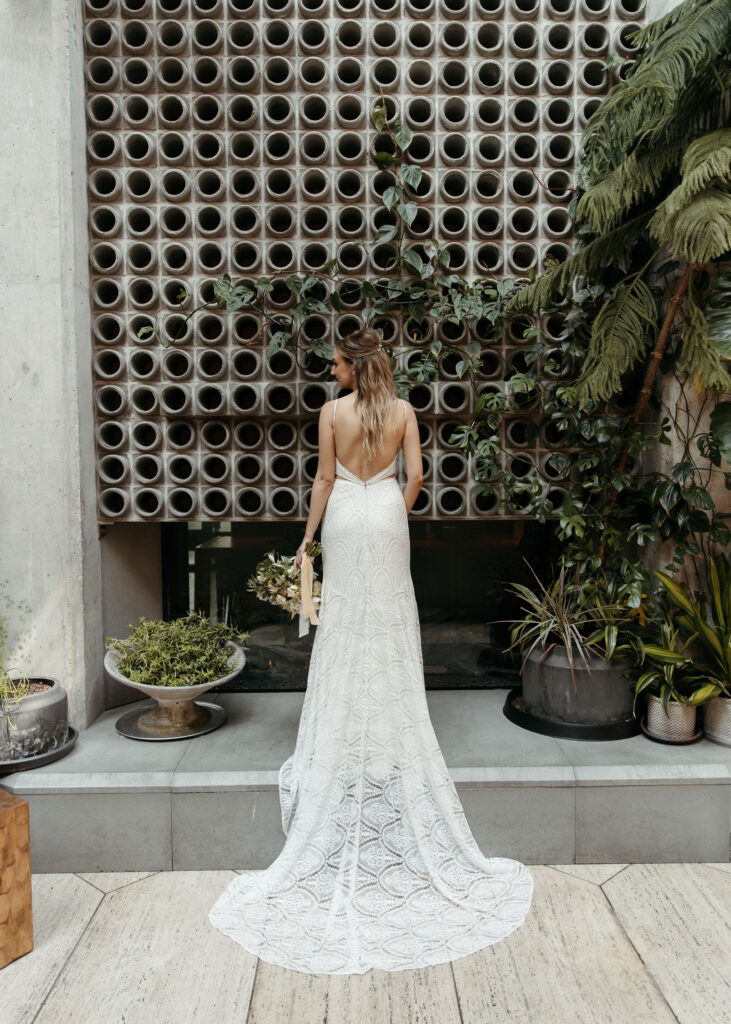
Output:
x=603 y=944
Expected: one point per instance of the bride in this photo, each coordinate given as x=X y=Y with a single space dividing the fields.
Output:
x=379 y=868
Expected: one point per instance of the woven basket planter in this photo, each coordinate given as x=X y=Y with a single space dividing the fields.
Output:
x=677 y=724
x=717 y=720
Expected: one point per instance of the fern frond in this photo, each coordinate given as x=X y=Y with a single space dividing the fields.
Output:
x=607 y=200
x=699 y=359
x=706 y=160
x=611 y=247
x=701 y=230
x=638 y=111
x=649 y=34
x=618 y=339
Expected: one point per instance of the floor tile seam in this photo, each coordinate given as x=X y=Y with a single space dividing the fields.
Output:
x=69 y=956
x=639 y=956
x=456 y=992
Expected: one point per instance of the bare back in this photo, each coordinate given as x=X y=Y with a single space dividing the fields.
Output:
x=348 y=436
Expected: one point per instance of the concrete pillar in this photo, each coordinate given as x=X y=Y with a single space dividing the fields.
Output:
x=49 y=545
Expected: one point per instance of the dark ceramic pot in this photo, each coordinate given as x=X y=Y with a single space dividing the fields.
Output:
x=40 y=720
x=602 y=696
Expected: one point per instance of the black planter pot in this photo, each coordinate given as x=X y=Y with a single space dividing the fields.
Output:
x=599 y=706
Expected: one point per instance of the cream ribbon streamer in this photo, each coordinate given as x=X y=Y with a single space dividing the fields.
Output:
x=308 y=612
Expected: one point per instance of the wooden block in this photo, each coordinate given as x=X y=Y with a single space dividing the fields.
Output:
x=16 y=908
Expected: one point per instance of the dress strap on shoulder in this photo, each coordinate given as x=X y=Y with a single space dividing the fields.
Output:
x=404 y=405
x=335 y=405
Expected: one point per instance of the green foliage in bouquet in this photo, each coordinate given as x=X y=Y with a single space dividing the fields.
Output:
x=183 y=652
x=278 y=581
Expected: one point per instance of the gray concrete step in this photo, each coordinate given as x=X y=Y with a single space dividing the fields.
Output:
x=212 y=802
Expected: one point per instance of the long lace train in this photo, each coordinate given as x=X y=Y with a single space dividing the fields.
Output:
x=380 y=868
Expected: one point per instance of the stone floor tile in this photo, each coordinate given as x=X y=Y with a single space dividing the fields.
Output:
x=678 y=918
x=569 y=963
x=63 y=906
x=150 y=956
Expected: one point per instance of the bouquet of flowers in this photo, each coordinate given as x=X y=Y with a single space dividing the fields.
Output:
x=279 y=582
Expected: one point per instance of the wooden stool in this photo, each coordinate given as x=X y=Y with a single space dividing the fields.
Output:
x=16 y=909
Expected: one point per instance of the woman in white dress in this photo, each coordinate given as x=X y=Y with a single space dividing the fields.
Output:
x=379 y=868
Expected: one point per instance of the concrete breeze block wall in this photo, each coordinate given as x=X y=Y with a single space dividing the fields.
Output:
x=236 y=136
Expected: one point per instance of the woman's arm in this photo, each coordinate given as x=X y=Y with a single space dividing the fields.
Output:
x=324 y=478
x=412 y=457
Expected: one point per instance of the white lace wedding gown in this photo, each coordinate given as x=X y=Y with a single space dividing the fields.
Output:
x=379 y=868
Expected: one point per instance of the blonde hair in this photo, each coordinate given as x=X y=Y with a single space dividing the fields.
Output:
x=374 y=382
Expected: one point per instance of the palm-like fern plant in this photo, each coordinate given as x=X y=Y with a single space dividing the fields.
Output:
x=712 y=665
x=583 y=620
x=668 y=667
x=655 y=178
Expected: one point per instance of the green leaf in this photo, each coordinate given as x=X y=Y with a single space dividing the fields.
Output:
x=414 y=260
x=407 y=211
x=411 y=175
x=720 y=424
x=403 y=136
x=717 y=313
x=385 y=234
x=618 y=340
x=391 y=196
x=380 y=116
x=683 y=471
x=278 y=341
x=386 y=160
x=701 y=230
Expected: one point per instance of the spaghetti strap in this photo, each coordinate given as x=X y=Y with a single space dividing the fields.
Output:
x=404 y=405
x=335 y=405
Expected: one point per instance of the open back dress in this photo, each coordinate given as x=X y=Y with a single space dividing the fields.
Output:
x=379 y=868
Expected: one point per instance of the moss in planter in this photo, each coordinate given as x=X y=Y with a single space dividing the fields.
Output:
x=183 y=652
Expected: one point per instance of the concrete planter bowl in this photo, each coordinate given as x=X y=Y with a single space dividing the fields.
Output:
x=42 y=733
x=174 y=712
x=598 y=707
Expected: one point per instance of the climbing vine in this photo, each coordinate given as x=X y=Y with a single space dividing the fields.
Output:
x=420 y=288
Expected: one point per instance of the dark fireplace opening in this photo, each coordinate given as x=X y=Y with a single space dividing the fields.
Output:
x=460 y=571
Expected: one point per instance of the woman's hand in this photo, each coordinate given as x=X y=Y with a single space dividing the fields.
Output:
x=301 y=551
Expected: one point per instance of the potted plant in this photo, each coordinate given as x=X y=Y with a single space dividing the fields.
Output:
x=174 y=663
x=578 y=643
x=711 y=670
x=34 y=725
x=670 y=683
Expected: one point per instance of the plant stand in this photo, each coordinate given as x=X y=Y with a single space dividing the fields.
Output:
x=23 y=764
x=666 y=739
x=172 y=720
x=514 y=710
x=174 y=712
